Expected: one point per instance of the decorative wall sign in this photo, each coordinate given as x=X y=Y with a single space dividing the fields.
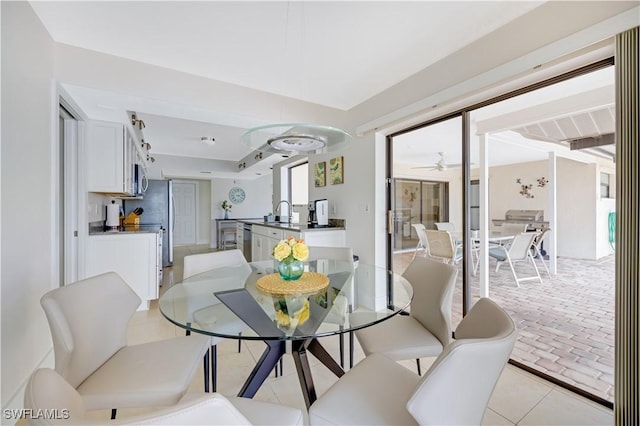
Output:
x=542 y=182
x=525 y=190
x=320 y=174
x=336 y=170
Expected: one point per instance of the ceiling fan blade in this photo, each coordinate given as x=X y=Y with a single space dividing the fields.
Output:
x=426 y=167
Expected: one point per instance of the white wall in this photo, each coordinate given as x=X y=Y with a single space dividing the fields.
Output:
x=28 y=196
x=504 y=191
x=256 y=204
x=581 y=223
x=28 y=56
x=577 y=194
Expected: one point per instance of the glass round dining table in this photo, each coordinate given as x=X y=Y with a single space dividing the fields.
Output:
x=250 y=302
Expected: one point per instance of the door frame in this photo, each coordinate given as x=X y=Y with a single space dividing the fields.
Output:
x=69 y=197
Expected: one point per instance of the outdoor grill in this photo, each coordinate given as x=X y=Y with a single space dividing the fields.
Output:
x=533 y=218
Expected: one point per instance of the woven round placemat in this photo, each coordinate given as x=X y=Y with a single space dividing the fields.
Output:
x=308 y=283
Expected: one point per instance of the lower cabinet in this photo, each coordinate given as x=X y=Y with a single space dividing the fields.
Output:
x=264 y=238
x=132 y=256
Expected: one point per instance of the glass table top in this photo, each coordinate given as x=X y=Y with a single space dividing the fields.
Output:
x=226 y=302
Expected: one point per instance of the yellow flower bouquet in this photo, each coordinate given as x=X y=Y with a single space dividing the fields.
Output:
x=290 y=254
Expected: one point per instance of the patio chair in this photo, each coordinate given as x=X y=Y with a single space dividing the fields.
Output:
x=537 y=248
x=513 y=228
x=450 y=228
x=422 y=240
x=442 y=246
x=446 y=226
x=518 y=251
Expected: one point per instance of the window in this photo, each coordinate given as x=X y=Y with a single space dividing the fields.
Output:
x=604 y=185
x=299 y=184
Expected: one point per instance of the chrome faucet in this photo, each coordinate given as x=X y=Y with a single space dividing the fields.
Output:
x=290 y=209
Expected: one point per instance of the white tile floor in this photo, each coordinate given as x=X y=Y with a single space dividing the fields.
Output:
x=519 y=398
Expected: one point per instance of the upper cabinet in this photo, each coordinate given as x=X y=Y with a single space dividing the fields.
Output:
x=115 y=165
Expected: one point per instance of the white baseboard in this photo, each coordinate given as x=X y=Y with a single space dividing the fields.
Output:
x=16 y=402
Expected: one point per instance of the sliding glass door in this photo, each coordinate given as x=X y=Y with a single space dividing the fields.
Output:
x=417 y=201
x=547 y=148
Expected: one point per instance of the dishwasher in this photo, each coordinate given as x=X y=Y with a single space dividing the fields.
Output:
x=246 y=241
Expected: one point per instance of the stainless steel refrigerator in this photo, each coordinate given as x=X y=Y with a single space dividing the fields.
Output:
x=159 y=211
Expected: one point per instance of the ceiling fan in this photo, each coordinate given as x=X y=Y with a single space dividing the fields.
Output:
x=440 y=165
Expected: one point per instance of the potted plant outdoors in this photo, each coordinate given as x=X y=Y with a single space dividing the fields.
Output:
x=226 y=206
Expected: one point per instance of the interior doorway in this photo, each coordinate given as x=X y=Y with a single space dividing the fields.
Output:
x=417 y=201
x=68 y=201
x=185 y=196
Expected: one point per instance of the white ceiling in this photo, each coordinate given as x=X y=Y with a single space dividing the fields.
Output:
x=316 y=51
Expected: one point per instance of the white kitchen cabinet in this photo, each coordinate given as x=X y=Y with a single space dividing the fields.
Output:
x=240 y=236
x=325 y=238
x=111 y=155
x=264 y=238
x=136 y=257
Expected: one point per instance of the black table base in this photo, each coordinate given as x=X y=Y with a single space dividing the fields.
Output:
x=245 y=306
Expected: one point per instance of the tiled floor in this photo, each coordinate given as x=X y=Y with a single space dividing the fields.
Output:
x=519 y=398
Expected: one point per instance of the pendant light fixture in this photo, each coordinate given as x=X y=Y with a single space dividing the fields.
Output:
x=295 y=138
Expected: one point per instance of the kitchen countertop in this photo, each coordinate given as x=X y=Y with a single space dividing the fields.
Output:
x=140 y=229
x=295 y=226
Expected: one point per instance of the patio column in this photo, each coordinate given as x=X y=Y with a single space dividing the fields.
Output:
x=551 y=242
x=484 y=216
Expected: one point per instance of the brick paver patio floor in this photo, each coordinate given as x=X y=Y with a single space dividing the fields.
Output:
x=566 y=324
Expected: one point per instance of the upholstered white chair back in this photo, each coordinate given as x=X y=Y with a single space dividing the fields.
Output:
x=433 y=283
x=457 y=387
x=47 y=390
x=198 y=263
x=88 y=321
x=333 y=253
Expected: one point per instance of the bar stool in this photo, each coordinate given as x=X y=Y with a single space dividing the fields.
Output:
x=229 y=238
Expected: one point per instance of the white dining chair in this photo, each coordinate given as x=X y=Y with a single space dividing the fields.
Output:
x=341 y=305
x=48 y=392
x=196 y=264
x=454 y=391
x=88 y=321
x=427 y=329
x=518 y=250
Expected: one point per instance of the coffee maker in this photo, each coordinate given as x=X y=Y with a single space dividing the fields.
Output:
x=318 y=213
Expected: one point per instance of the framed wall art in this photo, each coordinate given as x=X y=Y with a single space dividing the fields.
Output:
x=320 y=174
x=336 y=170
